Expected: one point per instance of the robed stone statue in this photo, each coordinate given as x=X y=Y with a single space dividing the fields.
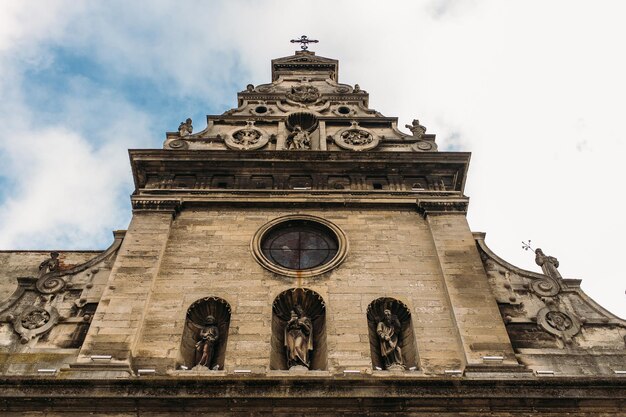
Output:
x=298 y=339
x=388 y=331
x=548 y=264
x=205 y=347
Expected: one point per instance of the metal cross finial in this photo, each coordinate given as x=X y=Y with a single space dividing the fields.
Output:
x=304 y=42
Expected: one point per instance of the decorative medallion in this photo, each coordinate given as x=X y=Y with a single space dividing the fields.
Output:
x=248 y=138
x=303 y=93
x=356 y=138
x=35 y=321
x=558 y=323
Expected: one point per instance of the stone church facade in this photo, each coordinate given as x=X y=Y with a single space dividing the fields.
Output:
x=301 y=255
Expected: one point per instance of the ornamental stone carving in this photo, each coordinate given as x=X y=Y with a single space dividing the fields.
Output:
x=247 y=138
x=303 y=93
x=548 y=264
x=185 y=128
x=558 y=323
x=299 y=139
x=545 y=287
x=35 y=321
x=49 y=282
x=416 y=129
x=356 y=138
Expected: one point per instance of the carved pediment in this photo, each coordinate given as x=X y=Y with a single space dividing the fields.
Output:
x=304 y=61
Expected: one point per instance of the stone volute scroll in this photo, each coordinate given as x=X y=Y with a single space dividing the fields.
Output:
x=48 y=279
x=203 y=344
x=298 y=331
x=391 y=335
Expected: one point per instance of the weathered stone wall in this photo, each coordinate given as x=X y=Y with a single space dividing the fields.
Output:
x=391 y=254
x=121 y=311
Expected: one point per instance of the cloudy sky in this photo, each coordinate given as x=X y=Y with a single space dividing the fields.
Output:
x=534 y=89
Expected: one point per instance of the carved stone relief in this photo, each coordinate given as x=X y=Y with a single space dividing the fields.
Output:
x=303 y=93
x=416 y=129
x=185 y=128
x=545 y=287
x=59 y=294
x=356 y=138
x=247 y=138
x=34 y=321
x=558 y=323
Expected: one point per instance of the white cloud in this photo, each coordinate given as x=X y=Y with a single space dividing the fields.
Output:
x=534 y=89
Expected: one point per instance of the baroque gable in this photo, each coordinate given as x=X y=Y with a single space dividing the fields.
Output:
x=305 y=101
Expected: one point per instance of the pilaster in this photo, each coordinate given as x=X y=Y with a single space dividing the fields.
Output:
x=119 y=318
x=479 y=323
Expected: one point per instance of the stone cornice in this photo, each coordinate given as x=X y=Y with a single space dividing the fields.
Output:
x=439 y=205
x=410 y=393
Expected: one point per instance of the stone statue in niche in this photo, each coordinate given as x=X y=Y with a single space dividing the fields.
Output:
x=49 y=265
x=298 y=339
x=548 y=264
x=205 y=347
x=299 y=139
x=416 y=129
x=388 y=331
x=185 y=128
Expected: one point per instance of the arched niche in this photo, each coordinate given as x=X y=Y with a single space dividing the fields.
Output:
x=196 y=321
x=314 y=308
x=406 y=338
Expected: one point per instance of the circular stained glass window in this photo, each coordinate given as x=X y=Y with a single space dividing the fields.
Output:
x=299 y=246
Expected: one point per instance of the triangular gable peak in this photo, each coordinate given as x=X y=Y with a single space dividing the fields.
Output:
x=305 y=62
x=304 y=108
